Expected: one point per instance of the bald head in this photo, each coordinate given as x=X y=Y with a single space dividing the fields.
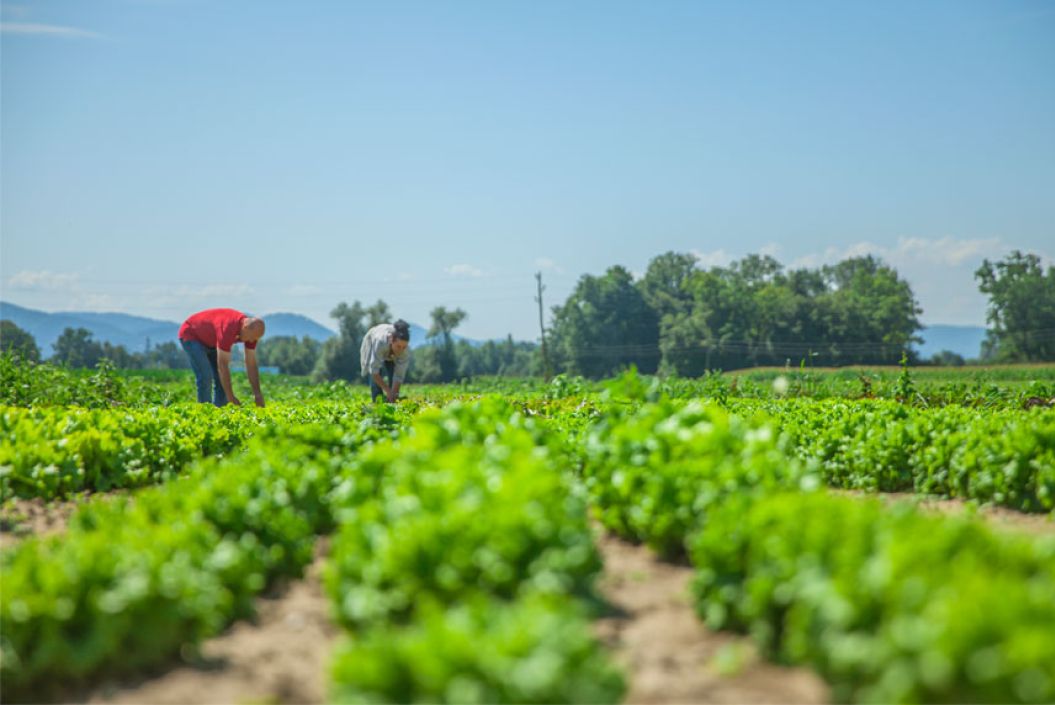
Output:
x=252 y=330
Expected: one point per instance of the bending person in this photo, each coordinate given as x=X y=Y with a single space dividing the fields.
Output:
x=208 y=337
x=386 y=348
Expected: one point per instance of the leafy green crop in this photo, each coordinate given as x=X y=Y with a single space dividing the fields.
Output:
x=887 y=604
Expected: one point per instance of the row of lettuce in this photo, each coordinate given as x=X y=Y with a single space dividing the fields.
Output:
x=887 y=604
x=462 y=568
x=54 y=452
x=1006 y=458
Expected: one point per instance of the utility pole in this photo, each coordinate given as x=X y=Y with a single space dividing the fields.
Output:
x=546 y=371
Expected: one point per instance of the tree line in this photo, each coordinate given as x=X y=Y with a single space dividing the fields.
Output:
x=678 y=318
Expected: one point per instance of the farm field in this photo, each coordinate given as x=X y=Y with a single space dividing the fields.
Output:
x=802 y=535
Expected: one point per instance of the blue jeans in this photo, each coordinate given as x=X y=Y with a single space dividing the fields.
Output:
x=206 y=374
x=388 y=368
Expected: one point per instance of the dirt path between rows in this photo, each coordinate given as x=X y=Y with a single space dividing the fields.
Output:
x=280 y=657
x=667 y=654
x=1000 y=518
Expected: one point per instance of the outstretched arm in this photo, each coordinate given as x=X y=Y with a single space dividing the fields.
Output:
x=253 y=372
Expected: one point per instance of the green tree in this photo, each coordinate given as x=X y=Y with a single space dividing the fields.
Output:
x=605 y=326
x=339 y=358
x=377 y=314
x=75 y=348
x=290 y=355
x=19 y=342
x=441 y=331
x=871 y=313
x=1021 y=312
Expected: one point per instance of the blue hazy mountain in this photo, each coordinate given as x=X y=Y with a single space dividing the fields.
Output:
x=962 y=340
x=133 y=332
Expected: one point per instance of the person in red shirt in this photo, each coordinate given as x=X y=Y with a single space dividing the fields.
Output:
x=207 y=337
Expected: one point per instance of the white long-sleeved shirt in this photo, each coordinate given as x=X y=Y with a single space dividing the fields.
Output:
x=377 y=349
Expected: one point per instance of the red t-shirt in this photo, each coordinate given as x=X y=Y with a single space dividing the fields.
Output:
x=215 y=328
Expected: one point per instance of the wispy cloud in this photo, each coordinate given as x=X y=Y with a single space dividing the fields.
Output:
x=43 y=280
x=715 y=258
x=943 y=252
x=547 y=265
x=302 y=290
x=47 y=30
x=464 y=270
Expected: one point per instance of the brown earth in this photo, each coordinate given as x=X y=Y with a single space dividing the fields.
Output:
x=668 y=655
x=20 y=518
x=280 y=657
x=1000 y=518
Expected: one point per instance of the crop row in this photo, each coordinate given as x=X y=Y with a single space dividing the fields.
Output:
x=463 y=564
x=463 y=568
x=1000 y=457
x=54 y=452
x=134 y=579
x=888 y=605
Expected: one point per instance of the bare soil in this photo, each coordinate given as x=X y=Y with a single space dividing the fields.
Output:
x=280 y=657
x=1000 y=518
x=20 y=518
x=667 y=653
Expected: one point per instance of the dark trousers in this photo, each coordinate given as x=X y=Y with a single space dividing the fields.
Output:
x=388 y=368
x=206 y=373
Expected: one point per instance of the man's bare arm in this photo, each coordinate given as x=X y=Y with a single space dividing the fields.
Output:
x=223 y=365
x=253 y=371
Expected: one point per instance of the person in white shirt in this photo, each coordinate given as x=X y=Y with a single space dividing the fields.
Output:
x=386 y=348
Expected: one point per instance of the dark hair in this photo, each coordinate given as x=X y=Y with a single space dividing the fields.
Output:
x=402 y=330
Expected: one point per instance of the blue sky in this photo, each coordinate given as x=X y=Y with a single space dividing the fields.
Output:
x=163 y=156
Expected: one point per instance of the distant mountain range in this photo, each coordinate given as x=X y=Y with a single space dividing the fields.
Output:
x=133 y=332
x=962 y=340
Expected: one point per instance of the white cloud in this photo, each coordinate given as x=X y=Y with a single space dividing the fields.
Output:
x=772 y=249
x=464 y=270
x=547 y=265
x=50 y=30
x=43 y=280
x=944 y=252
x=97 y=302
x=716 y=258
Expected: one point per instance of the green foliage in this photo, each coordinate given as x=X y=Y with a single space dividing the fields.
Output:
x=655 y=472
x=339 y=359
x=605 y=326
x=1002 y=457
x=133 y=580
x=536 y=650
x=291 y=356
x=461 y=557
x=15 y=341
x=888 y=605
x=1021 y=308
x=54 y=452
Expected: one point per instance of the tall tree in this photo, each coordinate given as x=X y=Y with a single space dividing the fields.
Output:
x=605 y=326
x=377 y=314
x=1021 y=311
x=75 y=348
x=19 y=342
x=443 y=324
x=340 y=354
x=873 y=312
